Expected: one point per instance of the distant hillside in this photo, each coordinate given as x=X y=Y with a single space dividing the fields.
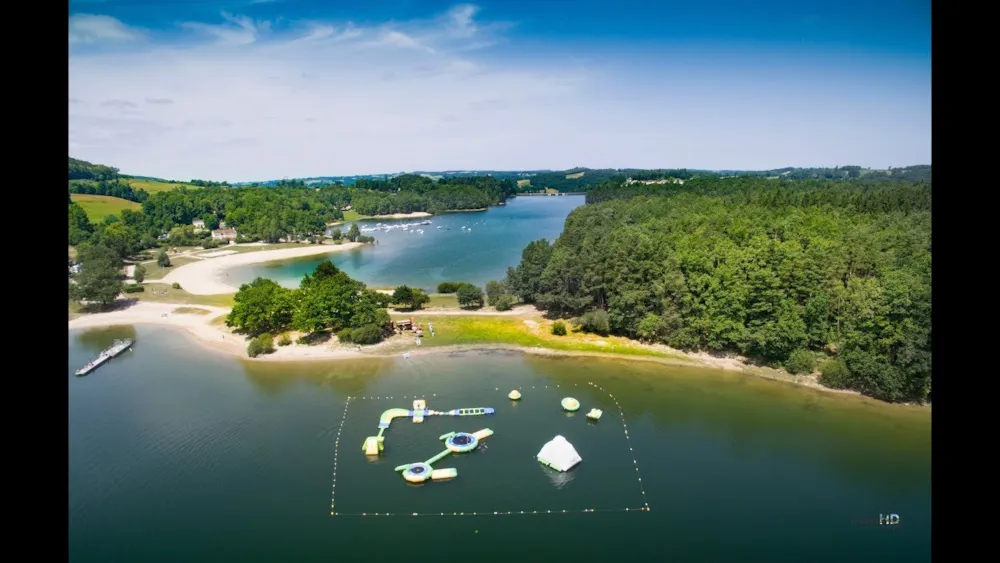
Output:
x=917 y=173
x=351 y=180
x=578 y=179
x=87 y=178
x=153 y=185
x=83 y=170
x=98 y=207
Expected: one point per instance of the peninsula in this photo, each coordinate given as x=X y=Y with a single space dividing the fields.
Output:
x=822 y=280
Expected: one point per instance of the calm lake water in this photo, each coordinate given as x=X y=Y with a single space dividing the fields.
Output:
x=495 y=241
x=181 y=454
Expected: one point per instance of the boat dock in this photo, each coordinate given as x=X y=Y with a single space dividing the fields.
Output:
x=116 y=348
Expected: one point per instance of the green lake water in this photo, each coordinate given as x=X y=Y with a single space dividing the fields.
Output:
x=492 y=241
x=177 y=453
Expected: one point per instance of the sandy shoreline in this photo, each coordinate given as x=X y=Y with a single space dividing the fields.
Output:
x=414 y=215
x=217 y=337
x=205 y=277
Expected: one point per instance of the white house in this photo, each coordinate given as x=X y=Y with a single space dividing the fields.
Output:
x=224 y=234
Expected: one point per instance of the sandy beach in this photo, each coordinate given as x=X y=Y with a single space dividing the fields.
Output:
x=197 y=321
x=414 y=215
x=205 y=277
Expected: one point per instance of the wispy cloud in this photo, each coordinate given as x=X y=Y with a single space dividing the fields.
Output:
x=238 y=30
x=461 y=20
x=119 y=104
x=89 y=28
x=270 y=99
x=393 y=38
x=313 y=97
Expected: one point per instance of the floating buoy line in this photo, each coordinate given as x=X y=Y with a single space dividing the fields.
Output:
x=513 y=395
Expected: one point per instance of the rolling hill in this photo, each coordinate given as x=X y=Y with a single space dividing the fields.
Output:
x=100 y=206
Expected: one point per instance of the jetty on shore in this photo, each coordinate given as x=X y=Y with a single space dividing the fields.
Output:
x=116 y=348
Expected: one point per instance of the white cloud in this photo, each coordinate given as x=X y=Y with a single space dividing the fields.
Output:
x=238 y=30
x=395 y=38
x=316 y=98
x=462 y=22
x=88 y=28
x=334 y=98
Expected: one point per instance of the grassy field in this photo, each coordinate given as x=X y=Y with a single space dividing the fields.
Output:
x=155 y=272
x=153 y=186
x=443 y=301
x=163 y=293
x=438 y=301
x=575 y=176
x=530 y=333
x=190 y=311
x=352 y=215
x=523 y=183
x=100 y=206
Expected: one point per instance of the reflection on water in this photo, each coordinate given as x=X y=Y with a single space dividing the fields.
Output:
x=559 y=479
x=98 y=339
x=201 y=453
x=346 y=377
x=437 y=255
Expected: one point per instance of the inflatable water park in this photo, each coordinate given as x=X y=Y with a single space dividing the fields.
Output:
x=374 y=445
x=557 y=454
x=455 y=443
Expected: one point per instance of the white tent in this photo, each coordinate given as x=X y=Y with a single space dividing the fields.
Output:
x=559 y=454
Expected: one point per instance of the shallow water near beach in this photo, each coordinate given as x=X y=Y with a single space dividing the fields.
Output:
x=179 y=453
x=491 y=241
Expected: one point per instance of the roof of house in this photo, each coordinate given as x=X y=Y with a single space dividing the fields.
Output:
x=225 y=231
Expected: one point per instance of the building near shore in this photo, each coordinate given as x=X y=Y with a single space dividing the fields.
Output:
x=224 y=234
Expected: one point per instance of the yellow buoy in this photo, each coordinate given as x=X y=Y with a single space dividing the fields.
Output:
x=514 y=395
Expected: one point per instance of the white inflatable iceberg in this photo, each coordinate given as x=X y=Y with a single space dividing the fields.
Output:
x=559 y=454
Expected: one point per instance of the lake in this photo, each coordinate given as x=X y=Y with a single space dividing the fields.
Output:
x=177 y=453
x=492 y=241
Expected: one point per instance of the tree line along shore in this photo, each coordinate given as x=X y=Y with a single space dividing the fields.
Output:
x=806 y=275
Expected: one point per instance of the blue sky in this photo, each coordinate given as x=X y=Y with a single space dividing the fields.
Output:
x=259 y=89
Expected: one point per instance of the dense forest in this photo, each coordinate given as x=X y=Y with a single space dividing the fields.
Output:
x=585 y=179
x=97 y=179
x=327 y=301
x=410 y=192
x=114 y=188
x=792 y=274
x=83 y=170
x=836 y=192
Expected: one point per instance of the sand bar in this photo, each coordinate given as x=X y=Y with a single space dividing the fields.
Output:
x=414 y=215
x=206 y=277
